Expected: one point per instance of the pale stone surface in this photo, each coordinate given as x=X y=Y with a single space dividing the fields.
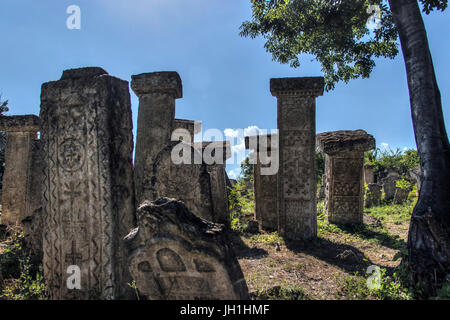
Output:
x=88 y=191
x=296 y=178
x=21 y=192
x=175 y=255
x=157 y=92
x=373 y=195
x=264 y=186
x=369 y=176
x=188 y=182
x=389 y=186
x=344 y=171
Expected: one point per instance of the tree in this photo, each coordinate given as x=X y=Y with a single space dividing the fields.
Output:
x=336 y=33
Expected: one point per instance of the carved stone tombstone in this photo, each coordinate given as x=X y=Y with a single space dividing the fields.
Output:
x=400 y=196
x=373 y=195
x=369 y=176
x=88 y=191
x=21 y=193
x=264 y=185
x=157 y=92
x=175 y=255
x=218 y=177
x=389 y=186
x=296 y=178
x=185 y=179
x=344 y=170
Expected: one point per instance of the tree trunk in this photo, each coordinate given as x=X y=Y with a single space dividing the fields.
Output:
x=429 y=231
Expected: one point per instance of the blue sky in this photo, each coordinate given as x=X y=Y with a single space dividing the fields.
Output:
x=225 y=77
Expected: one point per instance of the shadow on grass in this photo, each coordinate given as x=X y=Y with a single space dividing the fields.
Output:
x=241 y=249
x=369 y=233
x=347 y=257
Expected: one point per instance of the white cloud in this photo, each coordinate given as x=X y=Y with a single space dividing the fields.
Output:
x=231 y=133
x=234 y=174
x=384 y=145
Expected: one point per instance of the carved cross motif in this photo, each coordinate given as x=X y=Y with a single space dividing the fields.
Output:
x=72 y=192
x=73 y=256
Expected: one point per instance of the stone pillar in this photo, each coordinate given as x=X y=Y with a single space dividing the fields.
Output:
x=20 y=196
x=344 y=170
x=193 y=127
x=264 y=186
x=157 y=92
x=296 y=178
x=88 y=191
x=217 y=176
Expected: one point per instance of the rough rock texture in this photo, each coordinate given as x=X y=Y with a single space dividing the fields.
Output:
x=400 y=196
x=157 y=92
x=25 y=123
x=193 y=127
x=344 y=170
x=296 y=177
x=21 y=193
x=187 y=182
x=373 y=195
x=336 y=142
x=369 y=176
x=217 y=175
x=265 y=186
x=88 y=191
x=176 y=255
x=389 y=186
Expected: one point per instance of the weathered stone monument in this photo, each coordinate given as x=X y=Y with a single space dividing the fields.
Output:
x=344 y=170
x=264 y=185
x=369 y=176
x=21 y=194
x=400 y=196
x=88 y=191
x=296 y=178
x=185 y=178
x=217 y=176
x=373 y=195
x=157 y=92
x=175 y=255
x=389 y=186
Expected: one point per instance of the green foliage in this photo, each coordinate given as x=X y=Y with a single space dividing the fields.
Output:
x=23 y=278
x=334 y=32
x=396 y=159
x=246 y=170
x=403 y=184
x=391 y=287
x=320 y=166
x=267 y=238
x=241 y=203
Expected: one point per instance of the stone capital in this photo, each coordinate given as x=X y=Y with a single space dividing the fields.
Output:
x=335 y=142
x=225 y=145
x=196 y=126
x=78 y=73
x=157 y=82
x=23 y=123
x=306 y=86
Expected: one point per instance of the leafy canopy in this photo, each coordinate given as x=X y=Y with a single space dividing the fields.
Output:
x=336 y=32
